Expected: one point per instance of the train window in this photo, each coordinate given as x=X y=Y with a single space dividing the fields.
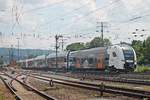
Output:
x=82 y=60
x=71 y=59
x=114 y=54
x=107 y=57
x=91 y=60
x=65 y=60
x=74 y=59
x=52 y=59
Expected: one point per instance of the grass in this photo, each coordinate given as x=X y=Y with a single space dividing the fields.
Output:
x=1 y=97
x=142 y=68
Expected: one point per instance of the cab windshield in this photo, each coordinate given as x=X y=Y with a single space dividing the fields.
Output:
x=128 y=54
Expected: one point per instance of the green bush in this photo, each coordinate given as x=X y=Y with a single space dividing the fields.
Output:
x=142 y=68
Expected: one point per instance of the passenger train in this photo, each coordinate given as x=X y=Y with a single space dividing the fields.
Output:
x=115 y=57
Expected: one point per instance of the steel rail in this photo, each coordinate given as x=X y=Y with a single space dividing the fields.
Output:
x=108 y=89
x=17 y=97
x=33 y=89
x=122 y=80
x=129 y=81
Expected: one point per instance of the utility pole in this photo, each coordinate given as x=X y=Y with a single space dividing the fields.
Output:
x=101 y=26
x=18 y=49
x=56 y=47
x=12 y=54
x=102 y=30
x=56 y=38
x=62 y=46
x=9 y=55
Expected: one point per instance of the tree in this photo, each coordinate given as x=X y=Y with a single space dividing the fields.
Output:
x=99 y=42
x=147 y=50
x=138 y=47
x=107 y=42
x=142 y=49
x=76 y=46
x=96 y=42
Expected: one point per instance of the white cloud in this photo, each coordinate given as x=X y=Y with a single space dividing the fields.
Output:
x=132 y=4
x=76 y=21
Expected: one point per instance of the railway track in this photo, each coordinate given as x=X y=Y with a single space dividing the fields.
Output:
x=123 y=80
x=107 y=89
x=112 y=79
x=18 y=97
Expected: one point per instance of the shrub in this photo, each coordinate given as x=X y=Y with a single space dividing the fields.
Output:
x=142 y=68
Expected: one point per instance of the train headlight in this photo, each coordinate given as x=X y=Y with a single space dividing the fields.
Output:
x=130 y=61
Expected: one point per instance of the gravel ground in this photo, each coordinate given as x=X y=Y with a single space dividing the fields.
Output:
x=62 y=92
x=5 y=94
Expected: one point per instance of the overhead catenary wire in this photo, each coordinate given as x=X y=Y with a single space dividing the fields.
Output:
x=100 y=8
x=45 y=6
x=17 y=14
x=89 y=13
x=64 y=15
x=134 y=19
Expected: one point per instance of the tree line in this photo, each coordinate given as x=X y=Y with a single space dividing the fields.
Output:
x=96 y=42
x=142 y=49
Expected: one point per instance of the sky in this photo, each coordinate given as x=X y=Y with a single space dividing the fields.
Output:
x=36 y=22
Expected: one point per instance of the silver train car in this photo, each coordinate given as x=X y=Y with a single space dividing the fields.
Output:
x=115 y=57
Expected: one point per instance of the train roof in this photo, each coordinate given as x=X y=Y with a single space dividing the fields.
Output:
x=124 y=46
x=40 y=57
x=93 y=52
x=60 y=54
x=31 y=59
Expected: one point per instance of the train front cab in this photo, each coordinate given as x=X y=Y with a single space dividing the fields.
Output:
x=129 y=59
x=122 y=57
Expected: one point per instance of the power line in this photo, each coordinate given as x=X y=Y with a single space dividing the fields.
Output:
x=135 y=19
x=91 y=12
x=64 y=15
x=17 y=15
x=132 y=19
x=42 y=7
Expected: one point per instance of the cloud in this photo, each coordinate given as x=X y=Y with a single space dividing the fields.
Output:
x=2 y=5
x=35 y=13
x=132 y=4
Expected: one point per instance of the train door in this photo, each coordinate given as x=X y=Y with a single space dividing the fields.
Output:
x=77 y=63
x=100 y=63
